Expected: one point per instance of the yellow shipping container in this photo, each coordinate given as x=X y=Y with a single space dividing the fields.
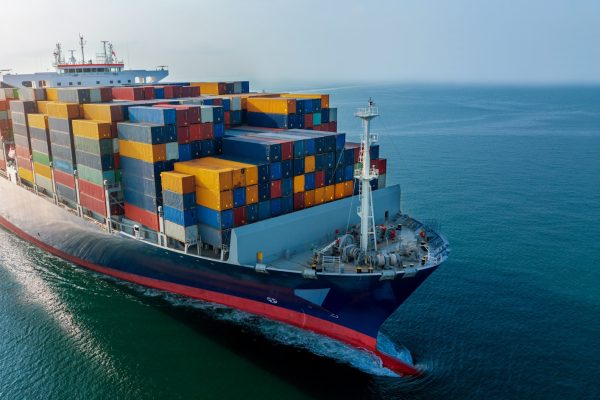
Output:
x=214 y=200
x=38 y=121
x=319 y=196
x=52 y=94
x=42 y=106
x=142 y=151
x=324 y=97
x=92 y=129
x=309 y=164
x=63 y=110
x=207 y=87
x=299 y=184
x=339 y=190
x=42 y=170
x=348 y=188
x=271 y=105
x=177 y=182
x=26 y=174
x=102 y=112
x=252 y=194
x=309 y=198
x=243 y=174
x=207 y=174
x=329 y=193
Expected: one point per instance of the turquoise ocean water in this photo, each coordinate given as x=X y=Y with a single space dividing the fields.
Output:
x=512 y=174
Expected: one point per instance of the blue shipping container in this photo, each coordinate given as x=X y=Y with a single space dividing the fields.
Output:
x=251 y=213
x=239 y=197
x=215 y=219
x=140 y=168
x=153 y=115
x=179 y=201
x=181 y=217
x=287 y=187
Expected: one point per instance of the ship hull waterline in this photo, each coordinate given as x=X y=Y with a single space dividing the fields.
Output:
x=242 y=288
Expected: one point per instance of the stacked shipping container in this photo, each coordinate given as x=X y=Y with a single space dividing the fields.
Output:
x=258 y=172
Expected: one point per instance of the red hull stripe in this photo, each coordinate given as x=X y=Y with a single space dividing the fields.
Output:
x=270 y=311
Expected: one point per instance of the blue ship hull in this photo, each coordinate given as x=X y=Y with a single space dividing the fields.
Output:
x=351 y=309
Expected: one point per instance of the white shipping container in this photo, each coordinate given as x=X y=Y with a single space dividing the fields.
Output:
x=181 y=233
x=381 y=181
x=172 y=151
x=333 y=115
x=206 y=114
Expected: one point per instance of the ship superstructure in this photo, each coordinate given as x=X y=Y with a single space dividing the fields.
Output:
x=211 y=191
x=104 y=70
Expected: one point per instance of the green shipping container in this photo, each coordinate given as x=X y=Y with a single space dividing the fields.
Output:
x=100 y=147
x=41 y=158
x=317 y=118
x=95 y=176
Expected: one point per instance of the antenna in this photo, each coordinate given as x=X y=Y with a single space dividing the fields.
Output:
x=104 y=42
x=81 y=44
x=364 y=174
x=72 y=58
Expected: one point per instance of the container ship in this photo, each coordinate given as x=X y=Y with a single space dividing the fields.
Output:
x=211 y=191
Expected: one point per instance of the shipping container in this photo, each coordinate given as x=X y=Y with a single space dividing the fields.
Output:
x=153 y=115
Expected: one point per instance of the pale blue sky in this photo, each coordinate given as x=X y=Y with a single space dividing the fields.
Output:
x=493 y=41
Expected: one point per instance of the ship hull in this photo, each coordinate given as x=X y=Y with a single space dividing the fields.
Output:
x=348 y=308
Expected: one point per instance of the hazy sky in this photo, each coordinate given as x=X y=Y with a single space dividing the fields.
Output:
x=499 y=41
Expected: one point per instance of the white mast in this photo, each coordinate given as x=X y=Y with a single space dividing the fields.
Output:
x=364 y=175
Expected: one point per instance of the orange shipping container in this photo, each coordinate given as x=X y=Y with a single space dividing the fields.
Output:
x=271 y=105
x=309 y=198
x=142 y=151
x=309 y=164
x=299 y=184
x=42 y=106
x=329 y=193
x=243 y=174
x=348 y=188
x=214 y=200
x=319 y=195
x=38 y=121
x=103 y=112
x=339 y=190
x=324 y=97
x=252 y=194
x=26 y=174
x=52 y=94
x=63 y=110
x=177 y=182
x=42 y=170
x=207 y=174
x=92 y=129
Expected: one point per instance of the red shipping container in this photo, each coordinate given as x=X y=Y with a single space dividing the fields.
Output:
x=239 y=216
x=201 y=131
x=194 y=91
x=184 y=134
x=185 y=91
x=64 y=179
x=333 y=126
x=128 y=93
x=117 y=160
x=227 y=118
x=193 y=113
x=181 y=113
x=308 y=121
x=92 y=190
x=319 y=179
x=114 y=131
x=3 y=165
x=299 y=201
x=142 y=216
x=105 y=94
x=206 y=130
x=24 y=163
x=275 y=189
x=5 y=124
x=23 y=152
x=91 y=203
x=148 y=92
x=3 y=105
x=172 y=92
x=380 y=164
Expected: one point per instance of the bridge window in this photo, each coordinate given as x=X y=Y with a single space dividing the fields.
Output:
x=79 y=83
x=58 y=83
x=128 y=80
x=118 y=81
x=97 y=82
x=70 y=83
x=111 y=81
x=79 y=70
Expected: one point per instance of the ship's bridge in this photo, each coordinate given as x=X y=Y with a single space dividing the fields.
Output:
x=89 y=68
